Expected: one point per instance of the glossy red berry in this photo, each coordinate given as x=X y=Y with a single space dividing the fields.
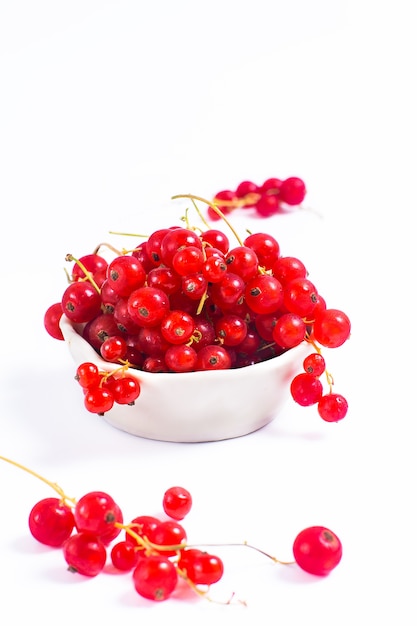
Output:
x=306 y=389
x=155 y=577
x=177 y=502
x=332 y=328
x=317 y=550
x=51 y=522
x=332 y=407
x=51 y=321
x=85 y=554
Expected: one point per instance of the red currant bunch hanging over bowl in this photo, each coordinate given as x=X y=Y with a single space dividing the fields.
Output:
x=198 y=301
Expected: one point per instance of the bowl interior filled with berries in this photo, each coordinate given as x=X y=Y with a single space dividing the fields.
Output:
x=197 y=333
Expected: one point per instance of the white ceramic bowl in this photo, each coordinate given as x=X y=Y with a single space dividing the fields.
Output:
x=198 y=406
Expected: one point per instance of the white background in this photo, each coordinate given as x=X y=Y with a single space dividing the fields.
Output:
x=107 y=109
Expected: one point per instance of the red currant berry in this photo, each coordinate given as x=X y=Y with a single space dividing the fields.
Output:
x=292 y=191
x=331 y=328
x=266 y=248
x=317 y=550
x=147 y=306
x=201 y=567
x=314 y=364
x=306 y=389
x=155 y=577
x=177 y=327
x=124 y=556
x=81 y=302
x=332 y=407
x=85 y=554
x=93 y=263
x=97 y=512
x=168 y=533
x=264 y=294
x=51 y=321
x=286 y=268
x=289 y=330
x=300 y=297
x=213 y=357
x=217 y=239
x=98 y=400
x=51 y=522
x=267 y=205
x=177 y=502
x=113 y=349
x=88 y=375
x=126 y=390
x=181 y=358
x=143 y=525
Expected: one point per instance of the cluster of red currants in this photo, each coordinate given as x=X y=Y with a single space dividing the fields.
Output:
x=187 y=300
x=273 y=196
x=92 y=534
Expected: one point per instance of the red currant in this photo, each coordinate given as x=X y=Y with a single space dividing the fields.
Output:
x=332 y=407
x=155 y=577
x=51 y=522
x=85 y=553
x=317 y=550
x=177 y=502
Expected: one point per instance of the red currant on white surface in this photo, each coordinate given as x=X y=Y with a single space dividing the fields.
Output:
x=154 y=551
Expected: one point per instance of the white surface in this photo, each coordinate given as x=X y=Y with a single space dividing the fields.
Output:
x=108 y=109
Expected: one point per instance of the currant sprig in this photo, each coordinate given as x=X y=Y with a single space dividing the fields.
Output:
x=155 y=551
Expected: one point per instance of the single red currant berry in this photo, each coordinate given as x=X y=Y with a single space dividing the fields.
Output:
x=177 y=502
x=231 y=329
x=201 y=567
x=88 y=375
x=124 y=556
x=85 y=554
x=51 y=522
x=286 y=268
x=143 y=525
x=113 y=349
x=155 y=577
x=148 y=305
x=125 y=273
x=98 y=400
x=181 y=358
x=97 y=512
x=168 y=533
x=266 y=248
x=51 y=321
x=289 y=330
x=93 y=263
x=332 y=407
x=264 y=294
x=177 y=327
x=317 y=550
x=213 y=357
x=306 y=389
x=215 y=239
x=292 y=191
x=300 y=297
x=81 y=302
x=331 y=328
x=126 y=390
x=314 y=364
x=267 y=205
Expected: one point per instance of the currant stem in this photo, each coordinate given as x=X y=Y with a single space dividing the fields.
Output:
x=247 y=545
x=87 y=274
x=215 y=209
x=54 y=486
